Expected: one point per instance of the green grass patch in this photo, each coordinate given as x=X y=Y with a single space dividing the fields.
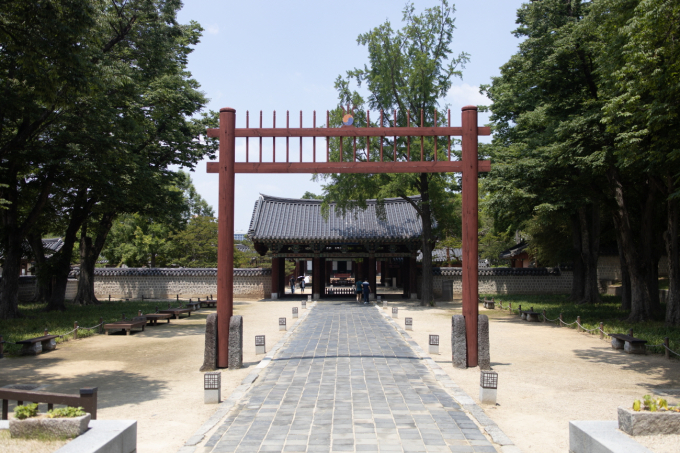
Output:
x=607 y=312
x=35 y=320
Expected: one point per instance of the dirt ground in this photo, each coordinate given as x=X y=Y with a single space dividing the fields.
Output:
x=149 y=376
x=548 y=376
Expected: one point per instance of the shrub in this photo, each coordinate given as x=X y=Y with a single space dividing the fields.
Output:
x=25 y=411
x=66 y=412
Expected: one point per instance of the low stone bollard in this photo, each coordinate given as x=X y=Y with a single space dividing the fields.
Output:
x=395 y=312
x=384 y=303
x=295 y=312
x=434 y=344
x=212 y=387
x=408 y=323
x=282 y=323
x=260 y=346
x=488 y=387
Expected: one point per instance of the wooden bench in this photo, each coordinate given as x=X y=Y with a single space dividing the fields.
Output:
x=175 y=312
x=628 y=343
x=153 y=318
x=126 y=325
x=489 y=304
x=209 y=303
x=34 y=346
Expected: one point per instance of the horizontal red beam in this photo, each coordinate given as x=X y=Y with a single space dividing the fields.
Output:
x=349 y=167
x=351 y=132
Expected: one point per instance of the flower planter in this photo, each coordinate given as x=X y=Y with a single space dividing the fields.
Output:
x=52 y=428
x=644 y=423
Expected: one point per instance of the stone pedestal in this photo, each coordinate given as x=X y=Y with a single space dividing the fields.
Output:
x=295 y=312
x=49 y=345
x=384 y=303
x=260 y=350
x=630 y=348
x=458 y=341
x=235 y=342
x=282 y=323
x=212 y=387
x=395 y=312
x=487 y=396
x=210 y=353
x=275 y=295
x=617 y=344
x=434 y=349
x=408 y=323
x=483 y=354
x=31 y=349
x=315 y=296
x=414 y=296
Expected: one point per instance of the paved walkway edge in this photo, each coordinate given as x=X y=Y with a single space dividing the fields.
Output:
x=458 y=394
x=225 y=406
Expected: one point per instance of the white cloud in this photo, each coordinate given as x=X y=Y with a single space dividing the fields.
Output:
x=464 y=94
x=212 y=29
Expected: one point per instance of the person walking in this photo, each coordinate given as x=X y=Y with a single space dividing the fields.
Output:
x=359 y=289
x=302 y=284
x=367 y=290
x=292 y=285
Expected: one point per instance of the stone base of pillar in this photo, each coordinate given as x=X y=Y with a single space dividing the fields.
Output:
x=275 y=296
x=212 y=396
x=235 y=342
x=210 y=354
x=483 y=355
x=487 y=396
x=458 y=341
x=315 y=296
x=414 y=296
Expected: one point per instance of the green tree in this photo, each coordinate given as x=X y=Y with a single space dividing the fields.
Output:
x=409 y=69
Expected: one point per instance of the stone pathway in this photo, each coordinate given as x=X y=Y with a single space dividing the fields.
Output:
x=347 y=381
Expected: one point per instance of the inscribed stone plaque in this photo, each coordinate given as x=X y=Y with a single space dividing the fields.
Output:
x=235 y=360
x=295 y=312
x=395 y=312
x=434 y=344
x=458 y=341
x=408 y=323
x=483 y=354
x=260 y=347
x=282 y=323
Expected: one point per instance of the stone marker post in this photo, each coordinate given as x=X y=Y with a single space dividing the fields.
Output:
x=395 y=312
x=210 y=353
x=282 y=323
x=458 y=341
x=235 y=342
x=408 y=323
x=483 y=355
x=488 y=385
x=295 y=312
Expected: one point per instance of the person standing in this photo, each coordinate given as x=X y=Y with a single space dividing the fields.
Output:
x=367 y=290
x=302 y=284
x=292 y=285
x=359 y=289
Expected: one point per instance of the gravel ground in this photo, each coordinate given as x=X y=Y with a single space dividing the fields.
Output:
x=149 y=376
x=548 y=376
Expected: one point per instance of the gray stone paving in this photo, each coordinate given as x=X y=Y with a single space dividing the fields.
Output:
x=347 y=381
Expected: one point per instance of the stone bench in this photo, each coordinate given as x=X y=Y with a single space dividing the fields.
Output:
x=628 y=343
x=208 y=303
x=489 y=304
x=34 y=346
x=193 y=305
x=531 y=316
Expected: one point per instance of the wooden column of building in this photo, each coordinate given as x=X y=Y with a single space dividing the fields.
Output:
x=412 y=274
x=386 y=277
x=282 y=277
x=275 y=276
x=470 y=230
x=328 y=272
x=371 y=275
x=378 y=270
x=316 y=276
x=225 y=233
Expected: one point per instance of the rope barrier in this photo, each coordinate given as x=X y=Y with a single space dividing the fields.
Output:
x=93 y=327
x=670 y=350
x=548 y=319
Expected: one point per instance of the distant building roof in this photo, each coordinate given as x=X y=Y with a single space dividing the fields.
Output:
x=299 y=219
x=513 y=251
x=52 y=246
x=243 y=248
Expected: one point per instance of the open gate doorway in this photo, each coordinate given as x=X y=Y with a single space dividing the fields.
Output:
x=227 y=167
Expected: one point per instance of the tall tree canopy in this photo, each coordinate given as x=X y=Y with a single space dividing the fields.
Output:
x=409 y=69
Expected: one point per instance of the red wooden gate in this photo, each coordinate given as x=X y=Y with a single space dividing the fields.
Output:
x=227 y=167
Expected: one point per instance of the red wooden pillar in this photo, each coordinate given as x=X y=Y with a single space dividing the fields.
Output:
x=317 y=279
x=404 y=277
x=225 y=234
x=281 y=288
x=275 y=276
x=470 y=245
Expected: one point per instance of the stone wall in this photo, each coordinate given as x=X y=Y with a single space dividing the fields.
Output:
x=609 y=268
x=503 y=281
x=27 y=288
x=158 y=283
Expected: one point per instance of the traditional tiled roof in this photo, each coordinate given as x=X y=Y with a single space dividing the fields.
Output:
x=175 y=272
x=492 y=271
x=296 y=219
x=514 y=251
x=52 y=245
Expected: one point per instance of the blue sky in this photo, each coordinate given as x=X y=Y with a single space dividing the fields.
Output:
x=273 y=55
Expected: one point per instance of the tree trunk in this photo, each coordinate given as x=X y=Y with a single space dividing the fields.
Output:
x=625 y=274
x=673 y=253
x=42 y=270
x=426 y=216
x=650 y=235
x=89 y=252
x=579 y=278
x=9 y=283
x=590 y=246
x=62 y=259
x=640 y=307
